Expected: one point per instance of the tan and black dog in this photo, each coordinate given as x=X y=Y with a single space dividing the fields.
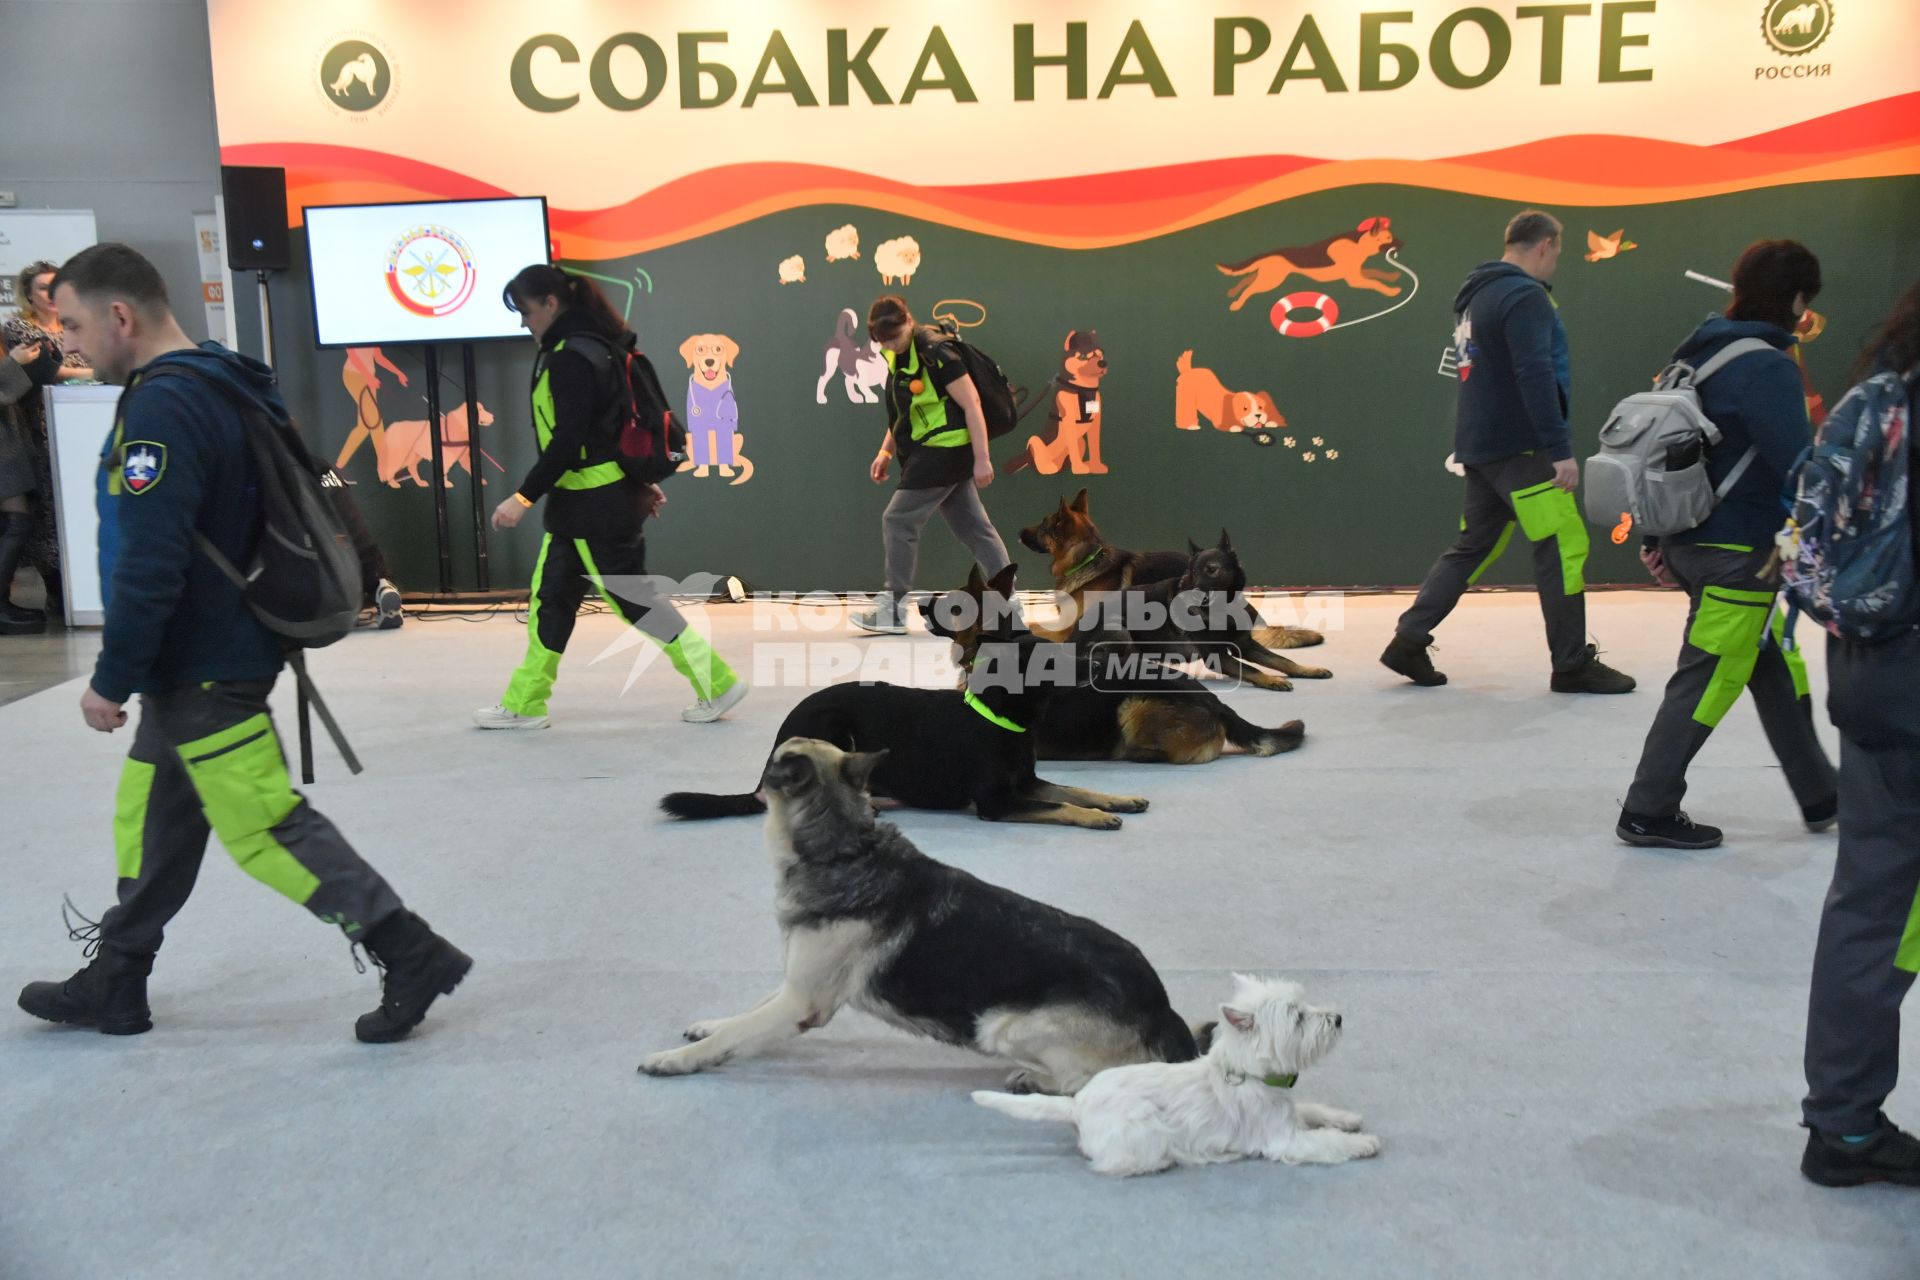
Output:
x=1084 y=564
x=1343 y=257
x=1072 y=436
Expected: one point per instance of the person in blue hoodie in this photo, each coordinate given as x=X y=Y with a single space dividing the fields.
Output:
x=1733 y=638
x=205 y=757
x=1510 y=433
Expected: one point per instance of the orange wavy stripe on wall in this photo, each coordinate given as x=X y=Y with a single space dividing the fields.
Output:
x=1878 y=140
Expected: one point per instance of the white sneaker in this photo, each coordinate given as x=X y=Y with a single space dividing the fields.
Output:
x=881 y=621
x=705 y=711
x=498 y=717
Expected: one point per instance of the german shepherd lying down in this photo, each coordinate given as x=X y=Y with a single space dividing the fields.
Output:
x=1084 y=564
x=947 y=748
x=870 y=921
x=1162 y=718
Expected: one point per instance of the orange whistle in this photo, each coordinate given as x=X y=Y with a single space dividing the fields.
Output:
x=1625 y=527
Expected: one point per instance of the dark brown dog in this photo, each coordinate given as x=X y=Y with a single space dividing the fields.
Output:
x=1084 y=564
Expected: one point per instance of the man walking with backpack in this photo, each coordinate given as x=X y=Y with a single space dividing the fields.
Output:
x=205 y=756
x=1511 y=434
x=1733 y=637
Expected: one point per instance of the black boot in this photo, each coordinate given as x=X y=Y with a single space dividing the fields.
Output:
x=15 y=526
x=1410 y=659
x=1592 y=676
x=110 y=993
x=417 y=966
x=1890 y=1155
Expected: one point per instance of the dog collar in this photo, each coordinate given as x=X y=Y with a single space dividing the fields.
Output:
x=1084 y=563
x=990 y=715
x=1272 y=1079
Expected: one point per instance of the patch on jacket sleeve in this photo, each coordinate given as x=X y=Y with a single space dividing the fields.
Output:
x=145 y=464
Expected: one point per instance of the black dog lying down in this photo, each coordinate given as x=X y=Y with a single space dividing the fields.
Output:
x=868 y=920
x=947 y=748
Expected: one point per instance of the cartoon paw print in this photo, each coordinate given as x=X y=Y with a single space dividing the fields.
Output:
x=1318 y=441
x=1308 y=456
x=1287 y=441
x=1332 y=454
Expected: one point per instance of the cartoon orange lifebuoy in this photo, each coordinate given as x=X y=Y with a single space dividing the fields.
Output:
x=1325 y=313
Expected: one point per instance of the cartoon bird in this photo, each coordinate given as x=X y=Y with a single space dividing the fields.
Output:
x=1600 y=246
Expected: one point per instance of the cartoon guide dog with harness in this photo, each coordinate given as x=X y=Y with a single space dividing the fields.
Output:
x=1072 y=436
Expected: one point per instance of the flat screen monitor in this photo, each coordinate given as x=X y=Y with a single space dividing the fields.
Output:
x=432 y=271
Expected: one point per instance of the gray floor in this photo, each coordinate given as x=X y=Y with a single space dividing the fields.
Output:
x=1583 y=1059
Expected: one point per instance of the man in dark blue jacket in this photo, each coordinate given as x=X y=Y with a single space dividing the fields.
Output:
x=1510 y=432
x=205 y=756
x=1733 y=638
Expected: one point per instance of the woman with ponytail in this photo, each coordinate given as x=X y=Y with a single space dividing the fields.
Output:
x=594 y=509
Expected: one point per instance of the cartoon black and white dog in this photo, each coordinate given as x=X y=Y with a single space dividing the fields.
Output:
x=852 y=355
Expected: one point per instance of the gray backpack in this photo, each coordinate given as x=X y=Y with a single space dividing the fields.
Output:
x=1652 y=464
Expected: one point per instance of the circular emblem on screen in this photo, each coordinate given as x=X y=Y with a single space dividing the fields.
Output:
x=355 y=75
x=1794 y=27
x=430 y=271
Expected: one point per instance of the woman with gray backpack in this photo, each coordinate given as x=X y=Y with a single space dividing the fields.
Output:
x=1735 y=464
x=1849 y=560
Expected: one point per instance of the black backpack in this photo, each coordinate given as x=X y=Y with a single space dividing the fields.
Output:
x=303 y=580
x=652 y=441
x=1001 y=403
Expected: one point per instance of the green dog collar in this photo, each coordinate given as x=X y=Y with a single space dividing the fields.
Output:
x=1084 y=563
x=990 y=715
x=1272 y=1079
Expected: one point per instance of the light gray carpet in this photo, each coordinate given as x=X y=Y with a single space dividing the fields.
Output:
x=1583 y=1059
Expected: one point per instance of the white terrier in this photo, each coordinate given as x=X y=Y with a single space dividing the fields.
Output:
x=1234 y=1102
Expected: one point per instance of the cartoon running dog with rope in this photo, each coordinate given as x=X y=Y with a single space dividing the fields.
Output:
x=1343 y=257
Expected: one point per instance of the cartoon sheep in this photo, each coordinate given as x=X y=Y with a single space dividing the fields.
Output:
x=898 y=259
x=793 y=270
x=843 y=242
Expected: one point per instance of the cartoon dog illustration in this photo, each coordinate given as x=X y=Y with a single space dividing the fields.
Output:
x=1072 y=438
x=1198 y=393
x=793 y=270
x=405 y=445
x=1341 y=257
x=852 y=355
x=897 y=259
x=713 y=417
x=843 y=242
x=361 y=69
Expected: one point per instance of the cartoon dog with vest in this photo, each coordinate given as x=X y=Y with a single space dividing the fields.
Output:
x=1198 y=393
x=404 y=446
x=1343 y=257
x=713 y=416
x=1072 y=438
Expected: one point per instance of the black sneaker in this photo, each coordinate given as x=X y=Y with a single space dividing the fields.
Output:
x=110 y=993
x=15 y=621
x=1592 y=676
x=1890 y=1155
x=417 y=966
x=386 y=603
x=1822 y=815
x=1410 y=659
x=1677 y=831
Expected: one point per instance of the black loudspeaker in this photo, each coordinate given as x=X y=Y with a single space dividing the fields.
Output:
x=257 y=238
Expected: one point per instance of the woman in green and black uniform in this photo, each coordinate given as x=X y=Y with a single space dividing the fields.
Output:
x=594 y=509
x=935 y=425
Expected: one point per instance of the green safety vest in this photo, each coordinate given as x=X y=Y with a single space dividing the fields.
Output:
x=927 y=412
x=595 y=476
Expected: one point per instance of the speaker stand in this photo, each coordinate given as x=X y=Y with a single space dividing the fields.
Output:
x=266 y=319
